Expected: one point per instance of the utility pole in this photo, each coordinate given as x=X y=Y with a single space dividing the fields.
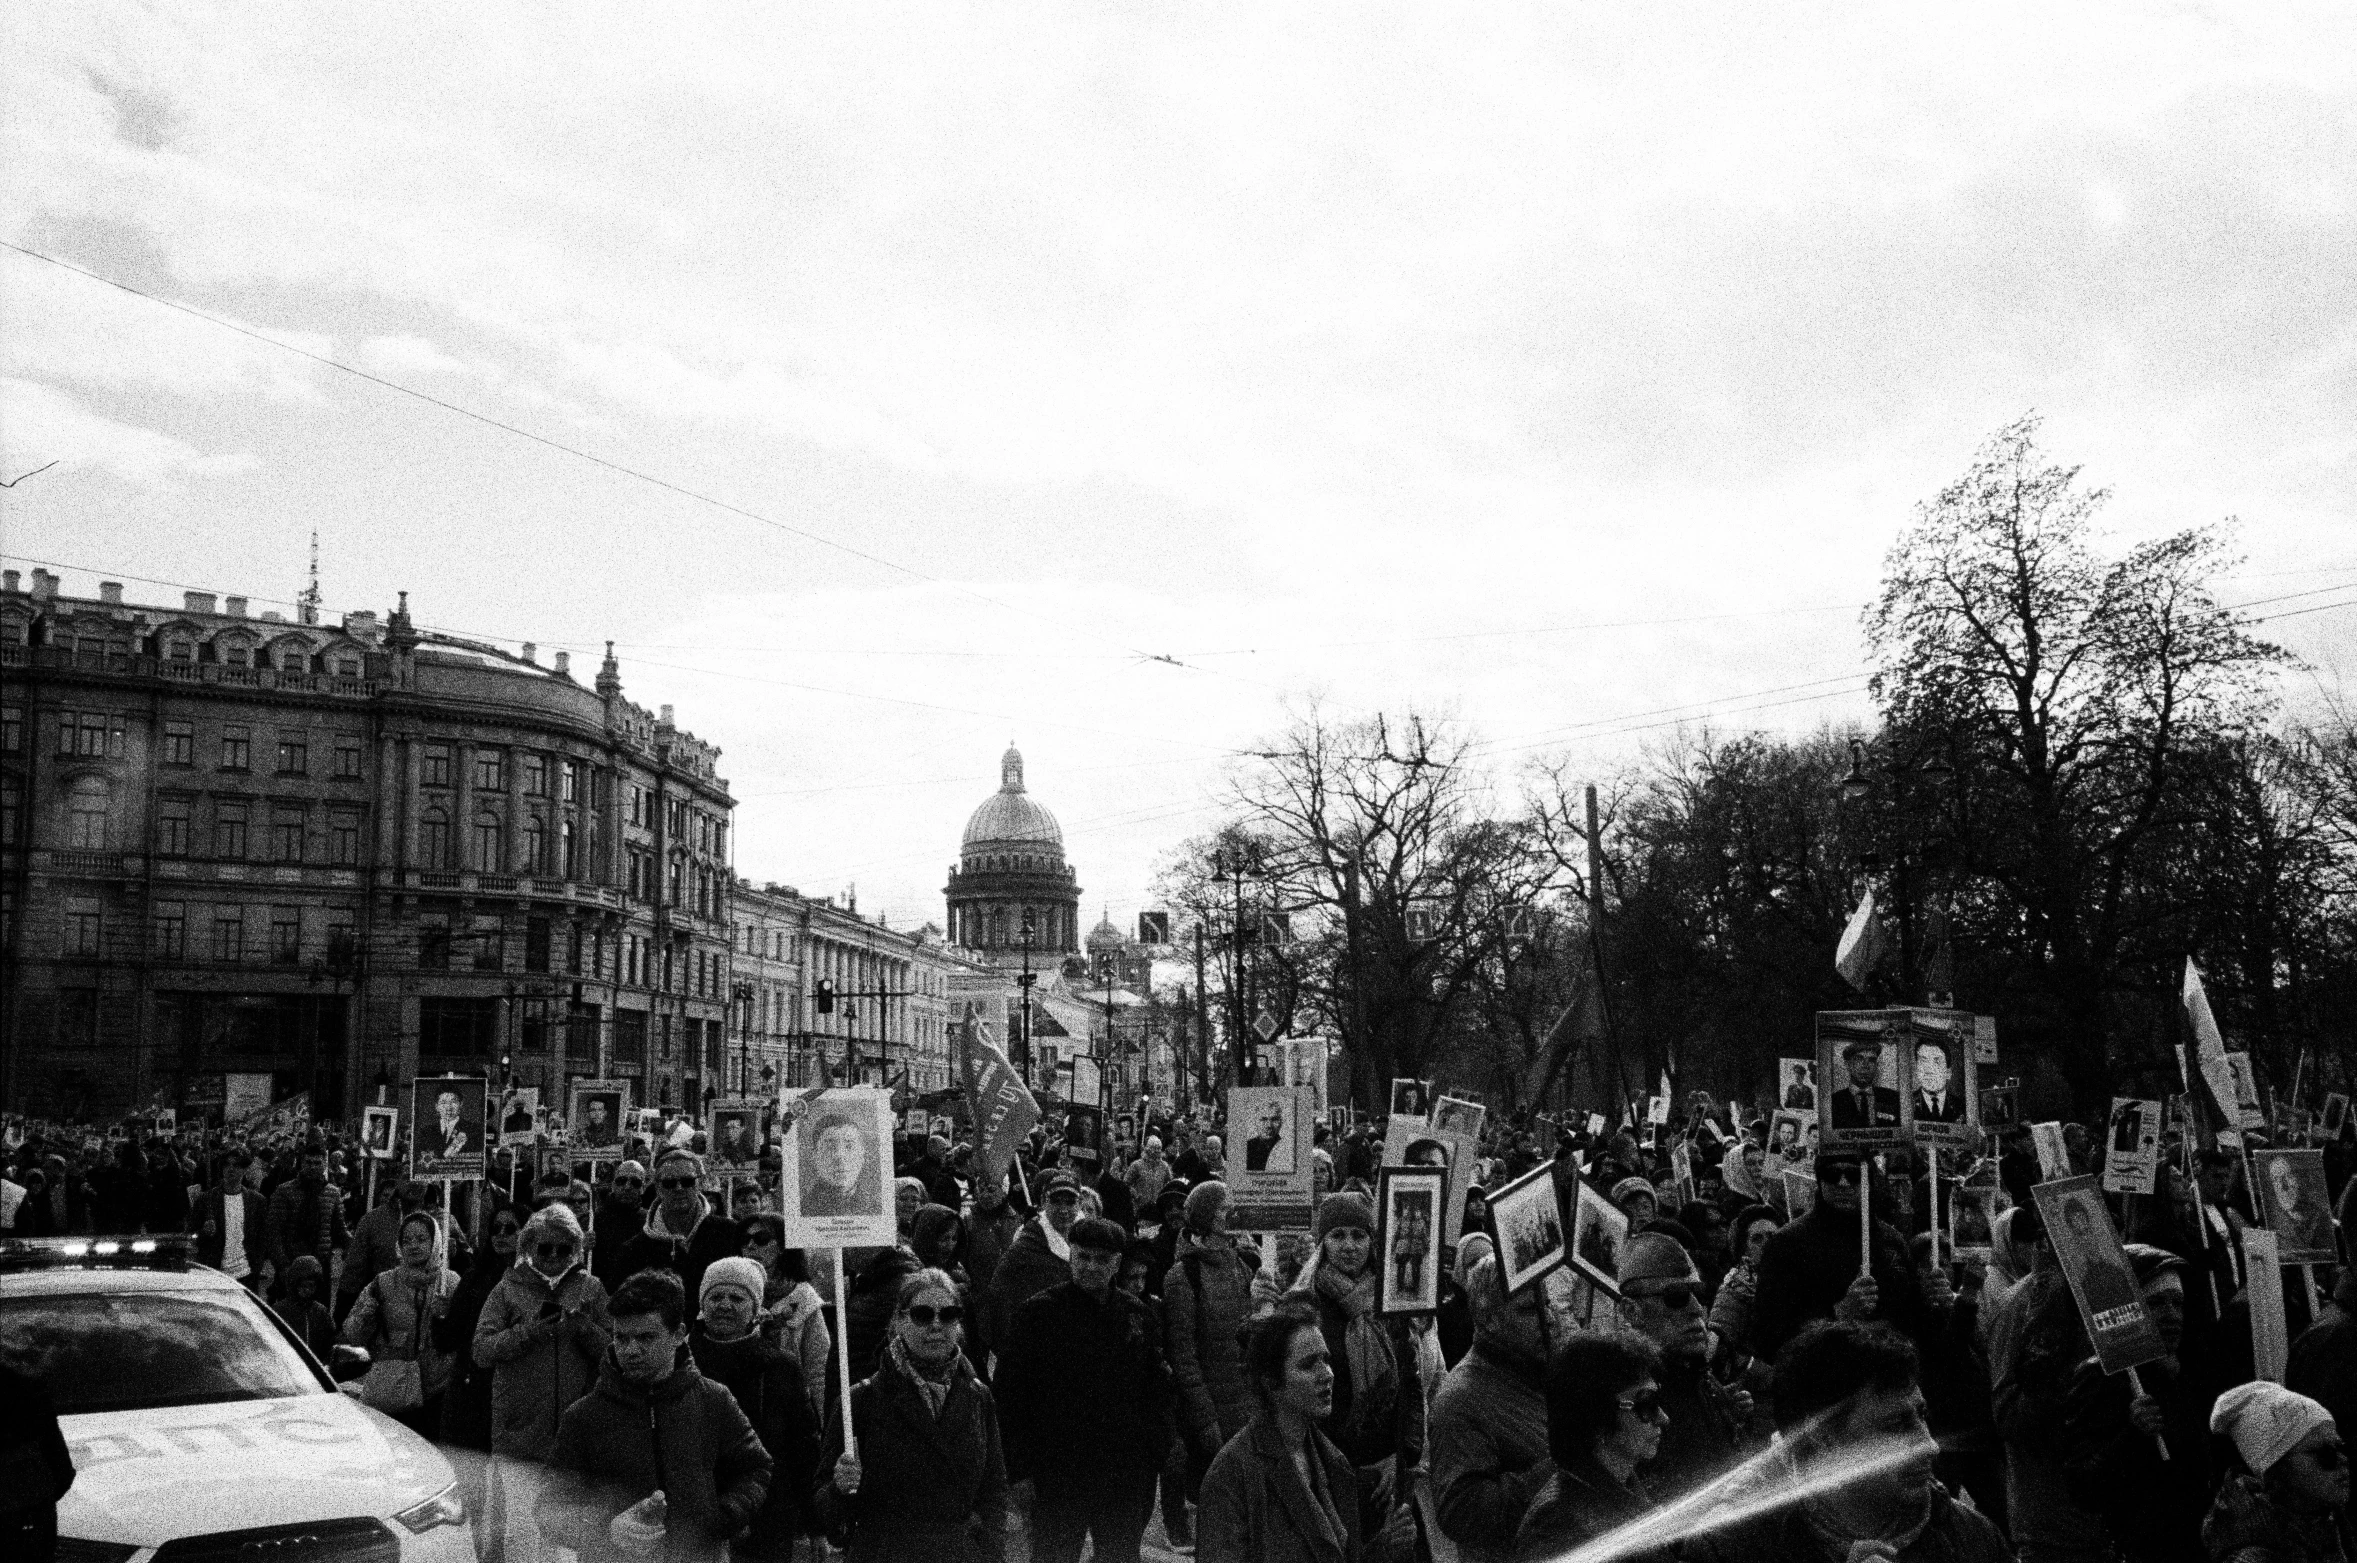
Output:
x=1202 y=1017
x=1595 y=836
x=1359 y=1043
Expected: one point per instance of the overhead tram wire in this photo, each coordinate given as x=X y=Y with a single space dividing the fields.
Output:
x=621 y=469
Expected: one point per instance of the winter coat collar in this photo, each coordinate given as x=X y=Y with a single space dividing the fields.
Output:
x=1301 y=1509
x=611 y=1385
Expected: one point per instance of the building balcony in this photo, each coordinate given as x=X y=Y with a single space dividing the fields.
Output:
x=214 y=673
x=73 y=864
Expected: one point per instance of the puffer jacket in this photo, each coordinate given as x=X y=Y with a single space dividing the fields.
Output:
x=1207 y=1296
x=542 y=1348
x=794 y=1321
x=769 y=1390
x=621 y=1441
x=395 y=1318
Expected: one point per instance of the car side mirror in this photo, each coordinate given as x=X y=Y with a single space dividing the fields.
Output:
x=347 y=1363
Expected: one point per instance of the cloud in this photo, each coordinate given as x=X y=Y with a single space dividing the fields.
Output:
x=44 y=424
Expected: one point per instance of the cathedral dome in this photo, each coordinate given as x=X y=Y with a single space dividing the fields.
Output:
x=1010 y=816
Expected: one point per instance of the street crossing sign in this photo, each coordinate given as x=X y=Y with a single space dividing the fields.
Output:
x=1266 y=1025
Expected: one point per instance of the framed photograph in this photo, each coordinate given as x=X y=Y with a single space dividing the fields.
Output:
x=2054 y=1152
x=2000 y=1108
x=519 y=1115
x=1407 y=1238
x=1125 y=1129
x=1531 y=1241
x=2336 y=1116
x=736 y=1136
x=1973 y=1209
x=1269 y=1164
x=837 y=1188
x=1797 y=1084
x=1789 y=1136
x=2299 y=1210
x=1411 y=1099
x=448 y=1120
x=1410 y=1143
x=378 y=1125
x=1942 y=1074
x=597 y=1114
x=1800 y=1193
x=2111 y=1304
x=1861 y=1075
x=2132 y=1145
x=1459 y=1116
x=1598 y=1232
x=1084 y=1133
x=1338 y=1119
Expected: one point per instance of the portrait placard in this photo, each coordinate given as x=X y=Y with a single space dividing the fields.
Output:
x=2111 y=1304
x=2132 y=1145
x=2249 y=1112
x=1407 y=1217
x=1984 y=1040
x=1084 y=1133
x=1973 y=1208
x=1269 y=1164
x=2270 y=1333
x=1531 y=1239
x=1459 y=1116
x=1412 y=1144
x=519 y=1116
x=2054 y=1152
x=1861 y=1078
x=596 y=1113
x=735 y=1138
x=837 y=1188
x=2000 y=1108
x=1942 y=1107
x=2299 y=1207
x=1797 y=1084
x=378 y=1126
x=447 y=1135
x=1792 y=1140
x=1411 y=1099
x=1599 y=1229
x=1800 y=1193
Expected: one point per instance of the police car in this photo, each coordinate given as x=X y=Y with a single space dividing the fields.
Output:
x=201 y=1429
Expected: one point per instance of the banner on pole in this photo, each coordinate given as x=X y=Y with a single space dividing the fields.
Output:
x=1004 y=1110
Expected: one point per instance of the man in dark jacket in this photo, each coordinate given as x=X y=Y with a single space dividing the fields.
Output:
x=1036 y=1259
x=685 y=1231
x=306 y=1216
x=1084 y=1406
x=230 y=1220
x=652 y=1425
x=1809 y=1270
x=621 y=1216
x=1661 y=1293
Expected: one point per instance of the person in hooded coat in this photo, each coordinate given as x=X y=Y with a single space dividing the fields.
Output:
x=542 y=1333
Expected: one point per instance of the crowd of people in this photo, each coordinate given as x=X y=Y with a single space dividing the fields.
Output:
x=1063 y=1352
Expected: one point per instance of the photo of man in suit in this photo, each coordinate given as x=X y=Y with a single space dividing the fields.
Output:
x=1937 y=1100
x=1268 y=1150
x=1861 y=1103
x=518 y=1117
x=736 y=1137
x=2127 y=1128
x=840 y=1173
x=448 y=1138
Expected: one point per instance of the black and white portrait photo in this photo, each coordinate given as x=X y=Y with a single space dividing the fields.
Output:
x=1411 y=1099
x=447 y=1124
x=376 y=1131
x=1858 y=1061
x=1262 y=1117
x=838 y=1189
x=1407 y=1217
x=2299 y=1209
x=1459 y=1116
x=519 y=1115
x=595 y=1118
x=1529 y=1226
x=736 y=1136
x=1799 y=1077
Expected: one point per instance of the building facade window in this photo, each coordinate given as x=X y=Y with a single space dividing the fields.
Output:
x=179 y=743
x=535 y=845
x=343 y=840
x=171 y=931
x=489 y=839
x=83 y=928
x=229 y=831
x=229 y=935
x=536 y=943
x=433 y=839
x=569 y=784
x=90 y=735
x=11 y=814
x=434 y=767
x=433 y=944
x=535 y=768
x=237 y=748
x=568 y=850
x=490 y=941
x=347 y=757
x=490 y=771
x=294 y=754
x=286 y=935
x=286 y=835
x=12 y=729
x=86 y=810
x=343 y=943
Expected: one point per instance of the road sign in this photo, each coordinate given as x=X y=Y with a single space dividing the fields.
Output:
x=1266 y=1025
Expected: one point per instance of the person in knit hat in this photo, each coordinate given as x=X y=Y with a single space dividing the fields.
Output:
x=2282 y=1502
x=1207 y=1296
x=1378 y=1416
x=729 y=1349
x=1635 y=1199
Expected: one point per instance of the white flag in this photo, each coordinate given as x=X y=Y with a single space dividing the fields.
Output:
x=2209 y=1053
x=1861 y=944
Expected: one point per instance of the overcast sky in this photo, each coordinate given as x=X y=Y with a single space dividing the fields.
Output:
x=1314 y=352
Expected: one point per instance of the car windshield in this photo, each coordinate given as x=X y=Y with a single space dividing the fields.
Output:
x=121 y=1351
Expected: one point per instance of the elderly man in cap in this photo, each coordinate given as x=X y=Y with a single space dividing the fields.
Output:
x=1860 y=1103
x=1040 y=1256
x=1661 y=1299
x=684 y=1231
x=1085 y=1405
x=1488 y=1432
x=1810 y=1269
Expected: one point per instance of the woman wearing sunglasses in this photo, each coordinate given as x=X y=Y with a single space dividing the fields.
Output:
x=1604 y=1419
x=543 y=1331
x=929 y=1481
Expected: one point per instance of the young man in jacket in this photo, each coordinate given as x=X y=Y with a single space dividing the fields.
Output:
x=543 y=1331
x=306 y=1216
x=230 y=1221
x=656 y=1462
x=1084 y=1406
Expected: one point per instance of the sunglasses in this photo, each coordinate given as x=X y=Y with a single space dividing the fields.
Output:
x=675 y=1183
x=1064 y=1196
x=761 y=1239
x=505 y=1229
x=1841 y=1174
x=1645 y=1405
x=1675 y=1296
x=553 y=1250
x=926 y=1313
x=630 y=1183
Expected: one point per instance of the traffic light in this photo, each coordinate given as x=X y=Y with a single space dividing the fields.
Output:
x=825 y=996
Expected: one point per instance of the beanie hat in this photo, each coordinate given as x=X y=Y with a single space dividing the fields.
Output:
x=632 y=1168
x=1204 y=1203
x=1061 y=1178
x=1654 y=1258
x=1097 y=1233
x=1345 y=1210
x=745 y=1274
x=1633 y=1185
x=2265 y=1422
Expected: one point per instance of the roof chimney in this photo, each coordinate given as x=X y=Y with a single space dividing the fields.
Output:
x=111 y=591
x=564 y=664
x=235 y=607
x=197 y=602
x=531 y=653
x=8 y=580
x=44 y=584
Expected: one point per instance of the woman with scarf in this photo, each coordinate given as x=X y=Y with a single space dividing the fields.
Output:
x=1730 y=1310
x=793 y=1318
x=768 y=1388
x=929 y=1480
x=1377 y=1420
x=1280 y=1491
x=395 y=1317
x=541 y=1338
x=466 y=1403
x=1604 y=1419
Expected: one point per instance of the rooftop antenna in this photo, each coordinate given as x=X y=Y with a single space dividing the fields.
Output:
x=307 y=602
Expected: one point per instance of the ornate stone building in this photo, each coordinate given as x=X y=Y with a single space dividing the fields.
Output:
x=339 y=856
x=1011 y=864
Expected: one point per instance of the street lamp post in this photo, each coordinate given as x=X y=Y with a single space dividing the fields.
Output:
x=742 y=994
x=1238 y=859
x=1030 y=937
